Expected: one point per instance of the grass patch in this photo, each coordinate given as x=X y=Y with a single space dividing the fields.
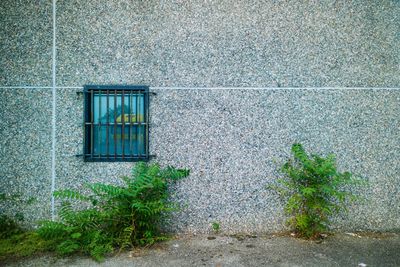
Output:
x=23 y=245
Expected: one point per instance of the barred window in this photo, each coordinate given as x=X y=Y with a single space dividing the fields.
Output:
x=116 y=123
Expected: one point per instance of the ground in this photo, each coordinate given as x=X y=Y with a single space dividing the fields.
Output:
x=346 y=249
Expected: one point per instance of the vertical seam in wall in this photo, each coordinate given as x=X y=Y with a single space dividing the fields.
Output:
x=53 y=133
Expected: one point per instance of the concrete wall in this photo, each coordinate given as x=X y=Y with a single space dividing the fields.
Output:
x=233 y=139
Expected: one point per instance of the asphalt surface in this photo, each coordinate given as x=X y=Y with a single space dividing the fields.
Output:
x=346 y=249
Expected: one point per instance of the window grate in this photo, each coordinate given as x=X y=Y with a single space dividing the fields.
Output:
x=116 y=123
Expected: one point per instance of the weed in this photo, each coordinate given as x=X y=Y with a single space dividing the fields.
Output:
x=314 y=190
x=11 y=224
x=23 y=245
x=8 y=227
x=216 y=227
x=118 y=216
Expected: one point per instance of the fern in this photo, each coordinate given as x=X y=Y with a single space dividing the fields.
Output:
x=107 y=190
x=125 y=238
x=67 y=247
x=69 y=194
x=119 y=216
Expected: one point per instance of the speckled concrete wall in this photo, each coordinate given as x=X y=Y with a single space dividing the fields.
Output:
x=25 y=147
x=234 y=140
x=229 y=43
x=25 y=42
x=230 y=138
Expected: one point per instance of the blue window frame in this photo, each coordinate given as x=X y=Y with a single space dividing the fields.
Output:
x=116 y=123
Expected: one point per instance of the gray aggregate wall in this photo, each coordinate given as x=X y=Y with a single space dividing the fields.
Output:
x=233 y=140
x=25 y=147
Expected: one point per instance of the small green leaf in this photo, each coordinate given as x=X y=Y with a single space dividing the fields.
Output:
x=76 y=235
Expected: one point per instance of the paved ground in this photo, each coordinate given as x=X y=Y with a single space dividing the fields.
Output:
x=338 y=250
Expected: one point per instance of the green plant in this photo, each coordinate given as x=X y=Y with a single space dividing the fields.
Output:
x=16 y=241
x=314 y=190
x=23 y=245
x=216 y=227
x=117 y=216
x=10 y=224
x=9 y=227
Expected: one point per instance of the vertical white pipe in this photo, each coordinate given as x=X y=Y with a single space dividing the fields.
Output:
x=53 y=132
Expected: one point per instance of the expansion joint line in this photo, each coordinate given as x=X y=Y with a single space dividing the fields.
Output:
x=53 y=132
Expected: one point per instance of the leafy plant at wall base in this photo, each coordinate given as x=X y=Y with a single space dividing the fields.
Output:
x=216 y=227
x=15 y=240
x=8 y=227
x=23 y=245
x=314 y=190
x=11 y=224
x=118 y=216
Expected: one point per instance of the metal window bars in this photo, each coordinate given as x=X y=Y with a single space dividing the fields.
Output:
x=116 y=123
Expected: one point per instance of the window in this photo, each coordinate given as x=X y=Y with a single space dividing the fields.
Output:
x=116 y=123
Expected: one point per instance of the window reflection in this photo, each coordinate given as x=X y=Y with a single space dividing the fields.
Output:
x=118 y=127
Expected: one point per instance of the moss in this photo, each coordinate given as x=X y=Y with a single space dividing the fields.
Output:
x=23 y=245
x=9 y=227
